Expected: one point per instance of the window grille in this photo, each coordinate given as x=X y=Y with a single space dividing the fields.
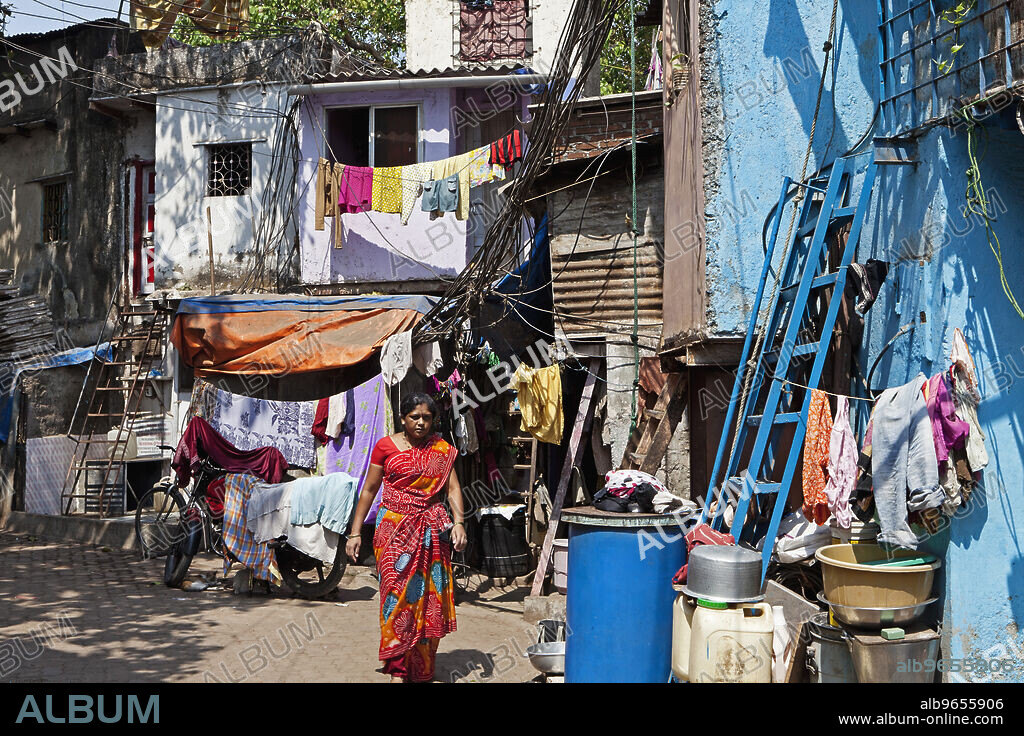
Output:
x=55 y=212
x=491 y=31
x=229 y=170
x=933 y=60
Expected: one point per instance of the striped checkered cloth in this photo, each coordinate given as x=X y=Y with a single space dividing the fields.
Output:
x=238 y=540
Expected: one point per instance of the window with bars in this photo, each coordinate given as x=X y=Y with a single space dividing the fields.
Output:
x=229 y=169
x=55 y=212
x=938 y=55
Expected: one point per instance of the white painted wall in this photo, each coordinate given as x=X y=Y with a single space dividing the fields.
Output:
x=549 y=18
x=377 y=246
x=429 y=34
x=183 y=120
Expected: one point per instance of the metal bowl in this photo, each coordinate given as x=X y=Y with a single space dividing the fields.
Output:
x=877 y=618
x=724 y=574
x=547 y=657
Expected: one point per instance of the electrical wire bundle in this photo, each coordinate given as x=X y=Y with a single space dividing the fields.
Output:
x=579 y=50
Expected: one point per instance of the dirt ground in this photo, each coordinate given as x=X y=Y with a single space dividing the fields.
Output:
x=77 y=613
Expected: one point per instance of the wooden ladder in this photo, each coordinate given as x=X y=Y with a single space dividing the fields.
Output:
x=650 y=439
x=137 y=345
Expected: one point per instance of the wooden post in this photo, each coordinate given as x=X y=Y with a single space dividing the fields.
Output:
x=583 y=418
x=209 y=238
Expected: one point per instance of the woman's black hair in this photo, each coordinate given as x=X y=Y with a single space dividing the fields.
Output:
x=411 y=401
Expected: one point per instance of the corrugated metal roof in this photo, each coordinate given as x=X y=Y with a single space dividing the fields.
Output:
x=23 y=38
x=389 y=74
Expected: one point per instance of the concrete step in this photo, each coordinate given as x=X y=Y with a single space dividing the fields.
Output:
x=118 y=533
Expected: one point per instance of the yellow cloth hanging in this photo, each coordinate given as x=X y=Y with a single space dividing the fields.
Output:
x=154 y=19
x=386 y=194
x=540 y=401
x=320 y=192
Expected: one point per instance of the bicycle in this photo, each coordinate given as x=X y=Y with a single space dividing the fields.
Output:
x=169 y=522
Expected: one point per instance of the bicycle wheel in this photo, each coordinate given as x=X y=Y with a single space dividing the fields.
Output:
x=308 y=577
x=180 y=555
x=158 y=520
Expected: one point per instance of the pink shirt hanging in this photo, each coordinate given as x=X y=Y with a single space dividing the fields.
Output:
x=356 y=189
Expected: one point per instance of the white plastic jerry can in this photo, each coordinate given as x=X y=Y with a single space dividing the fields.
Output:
x=731 y=642
x=682 y=615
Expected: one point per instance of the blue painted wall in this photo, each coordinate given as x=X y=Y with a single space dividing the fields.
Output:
x=760 y=70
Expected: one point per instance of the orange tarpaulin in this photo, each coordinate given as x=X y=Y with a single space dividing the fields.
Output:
x=283 y=342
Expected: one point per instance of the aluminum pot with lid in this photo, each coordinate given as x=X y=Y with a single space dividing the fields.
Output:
x=724 y=574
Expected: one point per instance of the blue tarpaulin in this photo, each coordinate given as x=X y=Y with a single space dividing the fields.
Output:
x=233 y=303
x=528 y=288
x=12 y=374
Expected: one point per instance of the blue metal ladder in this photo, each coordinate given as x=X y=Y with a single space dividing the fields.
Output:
x=793 y=333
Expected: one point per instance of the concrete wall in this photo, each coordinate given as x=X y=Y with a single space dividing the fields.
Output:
x=377 y=247
x=947 y=271
x=760 y=68
x=183 y=121
x=428 y=34
x=758 y=105
x=76 y=278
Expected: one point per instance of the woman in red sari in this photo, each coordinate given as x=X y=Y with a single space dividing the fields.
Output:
x=417 y=604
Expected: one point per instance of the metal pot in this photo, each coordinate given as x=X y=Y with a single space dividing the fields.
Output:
x=547 y=657
x=877 y=618
x=905 y=660
x=724 y=574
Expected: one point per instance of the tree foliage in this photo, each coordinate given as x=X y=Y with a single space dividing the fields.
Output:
x=615 y=55
x=373 y=28
x=5 y=15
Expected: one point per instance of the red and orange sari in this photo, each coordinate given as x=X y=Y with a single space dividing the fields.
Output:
x=417 y=605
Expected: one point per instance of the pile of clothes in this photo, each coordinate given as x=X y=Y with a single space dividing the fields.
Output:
x=633 y=491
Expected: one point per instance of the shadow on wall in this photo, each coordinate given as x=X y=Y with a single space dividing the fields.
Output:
x=943 y=266
x=359 y=255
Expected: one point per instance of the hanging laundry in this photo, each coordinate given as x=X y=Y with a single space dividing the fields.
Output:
x=904 y=467
x=816 y=458
x=948 y=430
x=396 y=357
x=966 y=402
x=867 y=279
x=340 y=415
x=218 y=19
x=842 y=464
x=427 y=358
x=387 y=189
x=356 y=189
x=413 y=178
x=957 y=481
x=457 y=166
x=250 y=424
x=540 y=401
x=268 y=518
x=440 y=196
x=862 y=500
x=442 y=389
x=319 y=426
x=481 y=170
x=507 y=150
x=372 y=419
x=320 y=193
x=960 y=356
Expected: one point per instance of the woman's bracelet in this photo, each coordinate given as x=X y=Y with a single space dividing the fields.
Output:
x=458 y=523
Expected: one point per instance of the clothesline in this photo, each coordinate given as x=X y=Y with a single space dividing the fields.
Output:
x=830 y=393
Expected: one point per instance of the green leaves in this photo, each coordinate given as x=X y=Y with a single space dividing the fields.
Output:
x=374 y=28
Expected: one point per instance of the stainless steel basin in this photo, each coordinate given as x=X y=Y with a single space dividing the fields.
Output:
x=548 y=657
x=877 y=618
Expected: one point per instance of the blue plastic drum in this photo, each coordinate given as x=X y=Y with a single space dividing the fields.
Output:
x=619 y=599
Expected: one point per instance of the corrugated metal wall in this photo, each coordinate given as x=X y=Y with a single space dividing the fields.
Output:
x=593 y=276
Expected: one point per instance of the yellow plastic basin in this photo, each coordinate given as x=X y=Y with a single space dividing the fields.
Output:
x=849 y=582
